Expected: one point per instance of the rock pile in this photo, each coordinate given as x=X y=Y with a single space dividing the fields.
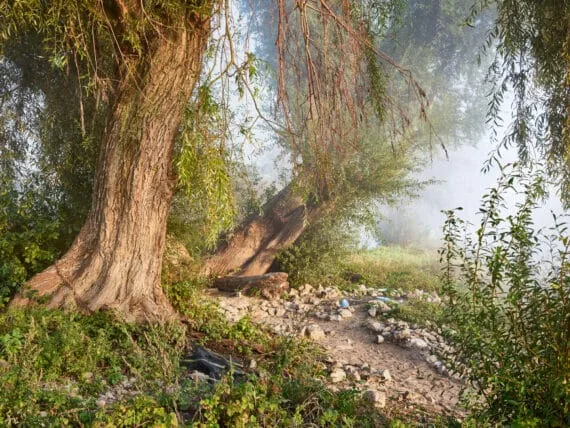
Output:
x=292 y=315
x=429 y=343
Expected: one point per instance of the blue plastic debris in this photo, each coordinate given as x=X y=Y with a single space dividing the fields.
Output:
x=344 y=303
x=384 y=299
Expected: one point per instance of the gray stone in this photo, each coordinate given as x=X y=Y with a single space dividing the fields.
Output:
x=386 y=375
x=376 y=398
x=345 y=313
x=315 y=301
x=418 y=343
x=375 y=326
x=372 y=312
x=403 y=334
x=314 y=331
x=431 y=359
x=353 y=373
x=337 y=375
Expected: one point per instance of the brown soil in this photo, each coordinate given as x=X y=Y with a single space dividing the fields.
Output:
x=415 y=386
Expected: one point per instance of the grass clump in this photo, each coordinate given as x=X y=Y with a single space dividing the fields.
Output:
x=401 y=268
x=419 y=311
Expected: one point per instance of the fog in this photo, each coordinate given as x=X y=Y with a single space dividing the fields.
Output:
x=446 y=66
x=461 y=183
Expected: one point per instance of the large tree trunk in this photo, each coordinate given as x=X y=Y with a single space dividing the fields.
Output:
x=252 y=249
x=115 y=261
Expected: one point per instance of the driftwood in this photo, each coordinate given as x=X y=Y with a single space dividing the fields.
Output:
x=269 y=285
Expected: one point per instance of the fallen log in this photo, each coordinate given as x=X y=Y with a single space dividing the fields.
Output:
x=270 y=285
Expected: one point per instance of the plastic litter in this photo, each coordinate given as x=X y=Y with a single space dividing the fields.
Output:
x=344 y=303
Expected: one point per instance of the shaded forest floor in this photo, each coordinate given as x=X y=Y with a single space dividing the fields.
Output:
x=300 y=360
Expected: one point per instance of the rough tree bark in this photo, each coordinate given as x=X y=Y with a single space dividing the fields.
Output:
x=115 y=261
x=253 y=247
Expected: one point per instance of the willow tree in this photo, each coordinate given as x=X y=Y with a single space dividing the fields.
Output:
x=143 y=60
x=115 y=260
x=342 y=129
x=532 y=58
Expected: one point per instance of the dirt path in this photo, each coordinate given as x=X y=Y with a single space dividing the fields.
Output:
x=407 y=376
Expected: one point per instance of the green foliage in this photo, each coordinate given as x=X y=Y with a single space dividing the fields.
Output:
x=139 y=411
x=29 y=232
x=55 y=364
x=203 y=166
x=289 y=387
x=317 y=257
x=431 y=39
x=419 y=311
x=532 y=59
x=508 y=290
x=400 y=268
x=288 y=392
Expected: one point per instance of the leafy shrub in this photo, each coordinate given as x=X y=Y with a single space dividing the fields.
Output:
x=317 y=258
x=509 y=299
x=290 y=392
x=29 y=232
x=56 y=364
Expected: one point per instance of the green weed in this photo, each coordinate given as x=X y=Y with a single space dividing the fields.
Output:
x=397 y=268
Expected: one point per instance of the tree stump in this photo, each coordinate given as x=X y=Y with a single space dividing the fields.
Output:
x=270 y=285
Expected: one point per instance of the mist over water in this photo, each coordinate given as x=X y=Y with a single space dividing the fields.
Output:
x=461 y=183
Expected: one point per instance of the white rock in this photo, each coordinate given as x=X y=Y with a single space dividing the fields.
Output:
x=345 y=313
x=403 y=334
x=305 y=289
x=315 y=301
x=377 y=398
x=375 y=326
x=386 y=374
x=380 y=339
x=418 y=343
x=373 y=311
x=431 y=359
x=198 y=376
x=338 y=375
x=314 y=331
x=101 y=402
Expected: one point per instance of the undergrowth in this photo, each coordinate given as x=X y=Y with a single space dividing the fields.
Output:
x=57 y=368
x=509 y=288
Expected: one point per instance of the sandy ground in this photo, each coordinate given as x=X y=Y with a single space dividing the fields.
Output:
x=414 y=384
